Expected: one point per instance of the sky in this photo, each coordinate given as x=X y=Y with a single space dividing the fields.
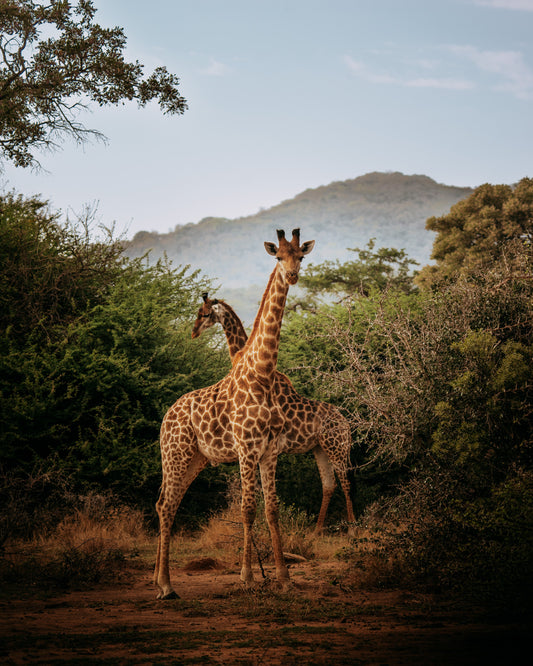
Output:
x=286 y=95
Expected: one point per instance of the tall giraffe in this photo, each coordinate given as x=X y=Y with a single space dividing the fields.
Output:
x=237 y=418
x=310 y=425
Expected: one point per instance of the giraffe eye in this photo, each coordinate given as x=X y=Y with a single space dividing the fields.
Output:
x=278 y=258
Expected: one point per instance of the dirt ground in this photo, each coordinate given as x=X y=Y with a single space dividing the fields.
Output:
x=215 y=621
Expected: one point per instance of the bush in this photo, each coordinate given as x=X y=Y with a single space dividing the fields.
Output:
x=449 y=541
x=438 y=387
x=94 y=348
x=82 y=541
x=32 y=504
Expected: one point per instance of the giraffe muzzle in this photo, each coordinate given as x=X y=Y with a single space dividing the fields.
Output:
x=292 y=277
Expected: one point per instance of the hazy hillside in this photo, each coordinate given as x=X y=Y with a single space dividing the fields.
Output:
x=390 y=207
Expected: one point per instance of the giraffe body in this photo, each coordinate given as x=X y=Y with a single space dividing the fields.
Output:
x=308 y=425
x=238 y=418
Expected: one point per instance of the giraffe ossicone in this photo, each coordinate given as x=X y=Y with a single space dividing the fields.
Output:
x=236 y=419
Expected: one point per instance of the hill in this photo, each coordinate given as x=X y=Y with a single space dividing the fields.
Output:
x=390 y=207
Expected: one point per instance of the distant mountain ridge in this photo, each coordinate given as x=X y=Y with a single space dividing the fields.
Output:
x=390 y=207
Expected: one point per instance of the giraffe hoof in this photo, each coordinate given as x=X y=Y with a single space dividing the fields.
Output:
x=248 y=584
x=286 y=585
x=169 y=595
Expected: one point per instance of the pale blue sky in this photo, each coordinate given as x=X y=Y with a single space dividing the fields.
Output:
x=289 y=95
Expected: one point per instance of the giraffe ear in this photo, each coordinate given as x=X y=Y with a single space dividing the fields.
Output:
x=271 y=248
x=307 y=246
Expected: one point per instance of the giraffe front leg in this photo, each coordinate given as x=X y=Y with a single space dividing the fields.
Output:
x=166 y=509
x=248 y=509
x=173 y=489
x=267 y=466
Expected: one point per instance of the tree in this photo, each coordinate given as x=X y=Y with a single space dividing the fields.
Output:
x=50 y=272
x=93 y=349
x=479 y=231
x=372 y=270
x=55 y=60
x=442 y=393
x=438 y=387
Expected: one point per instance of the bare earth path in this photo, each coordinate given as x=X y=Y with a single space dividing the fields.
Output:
x=319 y=621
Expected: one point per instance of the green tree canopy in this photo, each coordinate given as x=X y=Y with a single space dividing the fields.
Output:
x=94 y=348
x=372 y=270
x=49 y=271
x=54 y=59
x=479 y=231
x=438 y=386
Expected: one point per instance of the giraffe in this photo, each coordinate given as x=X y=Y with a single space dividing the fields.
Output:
x=310 y=425
x=236 y=419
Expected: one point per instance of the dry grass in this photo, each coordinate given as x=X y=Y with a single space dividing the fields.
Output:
x=101 y=537
x=97 y=525
x=91 y=544
x=222 y=536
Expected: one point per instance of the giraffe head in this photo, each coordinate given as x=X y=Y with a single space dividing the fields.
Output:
x=209 y=314
x=289 y=254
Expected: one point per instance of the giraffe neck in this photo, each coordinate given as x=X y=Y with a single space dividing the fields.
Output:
x=261 y=350
x=236 y=336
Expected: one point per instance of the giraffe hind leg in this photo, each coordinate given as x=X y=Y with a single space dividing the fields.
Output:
x=327 y=477
x=267 y=467
x=336 y=443
x=345 y=485
x=172 y=493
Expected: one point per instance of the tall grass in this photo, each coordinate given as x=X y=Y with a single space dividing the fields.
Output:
x=100 y=522
x=91 y=540
x=77 y=541
x=223 y=534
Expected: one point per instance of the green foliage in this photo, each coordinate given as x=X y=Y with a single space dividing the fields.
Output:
x=371 y=271
x=477 y=546
x=310 y=325
x=438 y=388
x=305 y=342
x=483 y=423
x=398 y=360
x=50 y=272
x=46 y=81
x=94 y=349
x=481 y=230
x=322 y=346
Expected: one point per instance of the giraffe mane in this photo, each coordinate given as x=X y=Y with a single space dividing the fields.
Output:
x=259 y=314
